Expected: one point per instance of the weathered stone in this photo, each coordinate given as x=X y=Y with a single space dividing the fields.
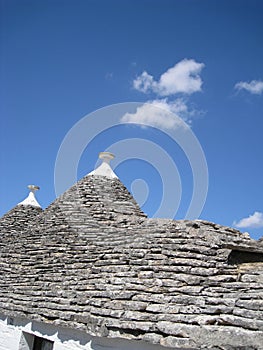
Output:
x=160 y=308
x=178 y=343
x=93 y=261
x=251 y=304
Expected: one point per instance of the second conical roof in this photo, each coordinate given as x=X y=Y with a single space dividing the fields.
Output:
x=22 y=216
x=92 y=205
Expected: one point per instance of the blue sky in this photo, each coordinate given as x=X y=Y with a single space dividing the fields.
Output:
x=200 y=60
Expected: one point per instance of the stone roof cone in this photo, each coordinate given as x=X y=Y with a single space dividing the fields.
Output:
x=98 y=200
x=22 y=215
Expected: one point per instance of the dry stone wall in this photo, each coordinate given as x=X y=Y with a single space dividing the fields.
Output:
x=178 y=284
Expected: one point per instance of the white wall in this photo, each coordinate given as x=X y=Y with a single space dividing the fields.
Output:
x=11 y=337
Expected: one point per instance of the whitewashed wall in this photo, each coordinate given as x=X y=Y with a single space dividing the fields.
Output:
x=11 y=330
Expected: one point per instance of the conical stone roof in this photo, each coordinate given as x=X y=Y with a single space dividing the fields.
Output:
x=95 y=263
x=96 y=203
x=21 y=217
x=93 y=205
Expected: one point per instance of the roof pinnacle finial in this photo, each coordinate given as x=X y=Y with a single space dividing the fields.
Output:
x=33 y=188
x=31 y=199
x=105 y=169
x=106 y=156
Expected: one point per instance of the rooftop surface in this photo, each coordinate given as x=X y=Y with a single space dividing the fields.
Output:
x=93 y=261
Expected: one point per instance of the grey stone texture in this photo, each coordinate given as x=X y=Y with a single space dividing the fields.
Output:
x=93 y=261
x=18 y=219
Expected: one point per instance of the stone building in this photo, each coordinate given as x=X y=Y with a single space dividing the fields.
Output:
x=91 y=271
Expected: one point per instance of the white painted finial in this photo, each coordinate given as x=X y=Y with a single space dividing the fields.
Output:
x=106 y=156
x=31 y=199
x=105 y=169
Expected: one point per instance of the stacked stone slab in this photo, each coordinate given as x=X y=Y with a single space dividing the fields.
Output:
x=93 y=261
x=18 y=219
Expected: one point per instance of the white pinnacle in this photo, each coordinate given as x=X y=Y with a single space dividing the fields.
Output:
x=31 y=199
x=105 y=169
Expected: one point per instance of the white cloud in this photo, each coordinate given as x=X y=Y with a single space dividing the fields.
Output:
x=144 y=82
x=254 y=87
x=160 y=113
x=169 y=113
x=183 y=77
x=253 y=221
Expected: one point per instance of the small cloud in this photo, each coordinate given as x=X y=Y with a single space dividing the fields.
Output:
x=253 y=221
x=183 y=77
x=160 y=113
x=144 y=83
x=254 y=87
